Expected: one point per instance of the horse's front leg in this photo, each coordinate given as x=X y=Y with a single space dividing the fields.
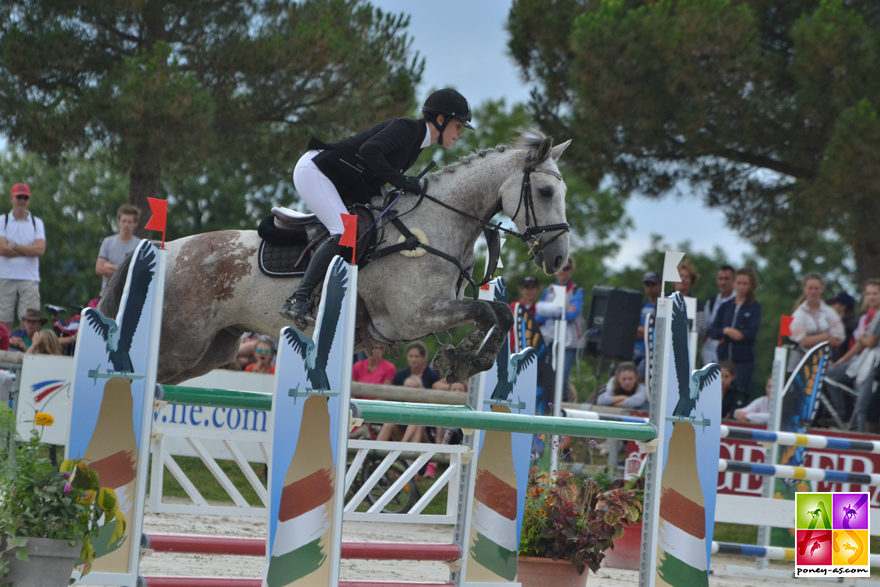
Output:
x=476 y=352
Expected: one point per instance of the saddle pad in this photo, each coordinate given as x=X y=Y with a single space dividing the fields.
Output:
x=280 y=260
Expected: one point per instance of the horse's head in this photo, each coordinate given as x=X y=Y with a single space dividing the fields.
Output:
x=535 y=201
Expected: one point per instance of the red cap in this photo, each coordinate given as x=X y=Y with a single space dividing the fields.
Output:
x=21 y=189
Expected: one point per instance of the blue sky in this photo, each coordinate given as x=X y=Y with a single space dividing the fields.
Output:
x=465 y=45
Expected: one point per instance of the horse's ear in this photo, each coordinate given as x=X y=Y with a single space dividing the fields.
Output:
x=556 y=152
x=544 y=149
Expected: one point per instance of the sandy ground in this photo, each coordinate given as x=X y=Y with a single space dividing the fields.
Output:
x=229 y=566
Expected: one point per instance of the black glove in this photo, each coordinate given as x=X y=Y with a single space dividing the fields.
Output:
x=413 y=184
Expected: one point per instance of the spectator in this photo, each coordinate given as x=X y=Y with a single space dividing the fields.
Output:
x=856 y=367
x=416 y=357
x=688 y=274
x=732 y=397
x=246 y=355
x=757 y=412
x=22 y=243
x=724 y=283
x=624 y=390
x=845 y=306
x=375 y=369
x=4 y=338
x=23 y=338
x=736 y=327
x=45 y=342
x=264 y=351
x=652 y=284
x=813 y=321
x=528 y=291
x=115 y=249
x=546 y=314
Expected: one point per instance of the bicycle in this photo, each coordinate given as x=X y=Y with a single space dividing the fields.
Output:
x=405 y=499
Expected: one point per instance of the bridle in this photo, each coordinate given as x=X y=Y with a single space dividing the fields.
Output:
x=531 y=236
x=533 y=233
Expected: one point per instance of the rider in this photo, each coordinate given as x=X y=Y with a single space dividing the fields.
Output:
x=332 y=177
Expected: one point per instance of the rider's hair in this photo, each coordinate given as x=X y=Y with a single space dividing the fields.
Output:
x=419 y=346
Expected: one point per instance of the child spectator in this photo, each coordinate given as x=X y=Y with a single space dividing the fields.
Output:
x=757 y=412
x=264 y=352
x=624 y=390
x=45 y=342
x=23 y=338
x=114 y=249
x=732 y=397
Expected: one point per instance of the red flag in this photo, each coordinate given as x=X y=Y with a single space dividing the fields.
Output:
x=784 y=328
x=349 y=233
x=160 y=216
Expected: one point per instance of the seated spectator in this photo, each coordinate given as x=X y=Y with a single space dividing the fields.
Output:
x=813 y=321
x=45 y=342
x=403 y=432
x=4 y=337
x=416 y=357
x=263 y=351
x=856 y=367
x=624 y=390
x=757 y=412
x=732 y=397
x=453 y=435
x=23 y=338
x=845 y=306
x=651 y=284
x=736 y=327
x=374 y=369
x=688 y=274
x=246 y=355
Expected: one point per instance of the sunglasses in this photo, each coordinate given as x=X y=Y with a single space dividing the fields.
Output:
x=22 y=197
x=566 y=268
x=263 y=351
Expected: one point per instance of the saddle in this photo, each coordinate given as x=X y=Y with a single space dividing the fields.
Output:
x=290 y=239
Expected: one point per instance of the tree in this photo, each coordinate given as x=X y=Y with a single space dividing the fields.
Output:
x=179 y=89
x=769 y=109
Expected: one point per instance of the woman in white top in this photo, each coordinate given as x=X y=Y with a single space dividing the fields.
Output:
x=624 y=390
x=814 y=321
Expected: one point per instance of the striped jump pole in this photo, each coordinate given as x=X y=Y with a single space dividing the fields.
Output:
x=805 y=473
x=162 y=581
x=468 y=419
x=588 y=415
x=247 y=546
x=807 y=440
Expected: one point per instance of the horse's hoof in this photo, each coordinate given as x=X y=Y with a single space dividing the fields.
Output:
x=444 y=358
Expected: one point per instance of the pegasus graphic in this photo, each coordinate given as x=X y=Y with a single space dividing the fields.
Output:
x=316 y=352
x=118 y=333
x=690 y=385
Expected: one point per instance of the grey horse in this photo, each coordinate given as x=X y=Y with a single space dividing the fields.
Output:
x=215 y=292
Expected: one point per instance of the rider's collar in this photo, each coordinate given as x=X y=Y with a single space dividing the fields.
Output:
x=427 y=142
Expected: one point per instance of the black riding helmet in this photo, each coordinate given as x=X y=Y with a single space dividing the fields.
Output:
x=450 y=104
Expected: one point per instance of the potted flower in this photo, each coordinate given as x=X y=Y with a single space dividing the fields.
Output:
x=627 y=550
x=568 y=524
x=49 y=515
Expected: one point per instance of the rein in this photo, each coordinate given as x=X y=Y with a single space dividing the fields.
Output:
x=531 y=236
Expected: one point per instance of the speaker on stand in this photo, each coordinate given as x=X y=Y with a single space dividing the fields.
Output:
x=612 y=325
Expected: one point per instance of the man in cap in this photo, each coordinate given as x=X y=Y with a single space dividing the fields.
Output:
x=22 y=243
x=651 y=283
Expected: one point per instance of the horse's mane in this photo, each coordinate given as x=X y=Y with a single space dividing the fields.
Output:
x=529 y=141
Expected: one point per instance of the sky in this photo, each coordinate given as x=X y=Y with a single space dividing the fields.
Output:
x=464 y=44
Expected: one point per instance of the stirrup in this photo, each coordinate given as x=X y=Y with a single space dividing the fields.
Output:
x=298 y=310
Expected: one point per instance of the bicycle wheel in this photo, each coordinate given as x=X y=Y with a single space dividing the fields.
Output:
x=405 y=499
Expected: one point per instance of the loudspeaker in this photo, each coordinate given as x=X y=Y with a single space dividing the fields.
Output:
x=614 y=319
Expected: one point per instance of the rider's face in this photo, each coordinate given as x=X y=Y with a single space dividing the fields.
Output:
x=452 y=132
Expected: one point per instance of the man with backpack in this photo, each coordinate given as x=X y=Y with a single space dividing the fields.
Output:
x=22 y=243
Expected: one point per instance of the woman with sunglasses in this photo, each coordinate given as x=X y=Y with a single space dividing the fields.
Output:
x=264 y=351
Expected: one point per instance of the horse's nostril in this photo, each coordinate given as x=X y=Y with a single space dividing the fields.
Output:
x=557 y=262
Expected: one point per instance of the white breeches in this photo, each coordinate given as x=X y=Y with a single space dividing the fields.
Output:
x=319 y=193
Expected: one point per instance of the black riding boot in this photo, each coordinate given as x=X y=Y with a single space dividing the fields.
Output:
x=297 y=306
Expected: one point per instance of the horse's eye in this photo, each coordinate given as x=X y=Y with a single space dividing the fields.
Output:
x=547 y=192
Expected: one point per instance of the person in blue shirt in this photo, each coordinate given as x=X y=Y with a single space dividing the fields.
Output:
x=546 y=314
x=736 y=327
x=651 y=284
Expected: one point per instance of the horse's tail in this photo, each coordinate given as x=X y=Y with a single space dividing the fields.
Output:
x=109 y=305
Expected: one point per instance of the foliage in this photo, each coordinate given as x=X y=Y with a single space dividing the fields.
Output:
x=176 y=90
x=766 y=109
x=37 y=500
x=573 y=519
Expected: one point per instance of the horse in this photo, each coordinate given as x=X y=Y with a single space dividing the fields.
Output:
x=215 y=292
